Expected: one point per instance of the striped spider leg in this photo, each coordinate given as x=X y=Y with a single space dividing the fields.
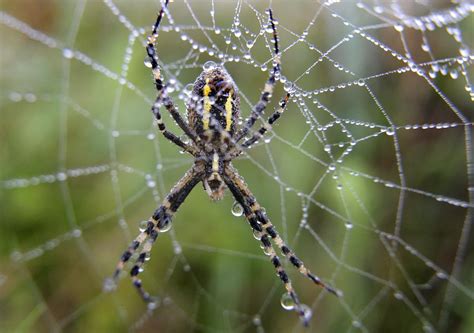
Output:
x=160 y=221
x=161 y=88
x=265 y=231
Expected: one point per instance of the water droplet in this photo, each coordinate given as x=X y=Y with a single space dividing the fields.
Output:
x=209 y=65
x=287 y=302
x=153 y=304
x=464 y=51
x=15 y=97
x=184 y=138
x=398 y=27
x=257 y=234
x=349 y=225
x=257 y=321
x=428 y=328
x=398 y=295
x=109 y=285
x=390 y=131
x=268 y=250
x=453 y=73
x=443 y=70
x=151 y=183
x=76 y=233
x=61 y=176
x=165 y=226
x=177 y=249
x=150 y=136
x=361 y=82
x=288 y=86
x=237 y=209
x=68 y=53
x=189 y=87
x=142 y=226
x=307 y=313
x=147 y=62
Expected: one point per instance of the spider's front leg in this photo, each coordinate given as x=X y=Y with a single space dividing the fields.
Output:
x=267 y=92
x=265 y=230
x=161 y=88
x=268 y=124
x=155 y=109
x=159 y=222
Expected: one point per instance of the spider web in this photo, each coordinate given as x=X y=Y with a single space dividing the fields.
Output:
x=368 y=175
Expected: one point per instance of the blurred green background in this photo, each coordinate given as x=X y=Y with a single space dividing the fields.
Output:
x=82 y=165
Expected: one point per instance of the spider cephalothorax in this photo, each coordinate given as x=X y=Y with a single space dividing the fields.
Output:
x=215 y=139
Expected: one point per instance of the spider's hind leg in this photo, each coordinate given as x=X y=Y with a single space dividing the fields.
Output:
x=239 y=191
x=247 y=199
x=159 y=222
x=290 y=255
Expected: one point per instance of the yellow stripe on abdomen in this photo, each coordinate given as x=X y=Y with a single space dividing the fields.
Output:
x=228 y=112
x=207 y=105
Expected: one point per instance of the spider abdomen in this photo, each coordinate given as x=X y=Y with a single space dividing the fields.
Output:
x=215 y=103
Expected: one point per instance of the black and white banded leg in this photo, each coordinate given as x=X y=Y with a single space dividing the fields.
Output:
x=160 y=221
x=267 y=92
x=268 y=124
x=159 y=83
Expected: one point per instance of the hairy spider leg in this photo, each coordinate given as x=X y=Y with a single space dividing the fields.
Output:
x=159 y=83
x=268 y=124
x=271 y=231
x=259 y=232
x=155 y=109
x=267 y=92
x=159 y=221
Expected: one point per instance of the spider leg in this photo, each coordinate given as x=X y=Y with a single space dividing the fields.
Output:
x=158 y=222
x=159 y=83
x=268 y=125
x=155 y=109
x=267 y=92
x=237 y=181
x=268 y=249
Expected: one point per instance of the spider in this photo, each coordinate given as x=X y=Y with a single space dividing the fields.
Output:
x=215 y=141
